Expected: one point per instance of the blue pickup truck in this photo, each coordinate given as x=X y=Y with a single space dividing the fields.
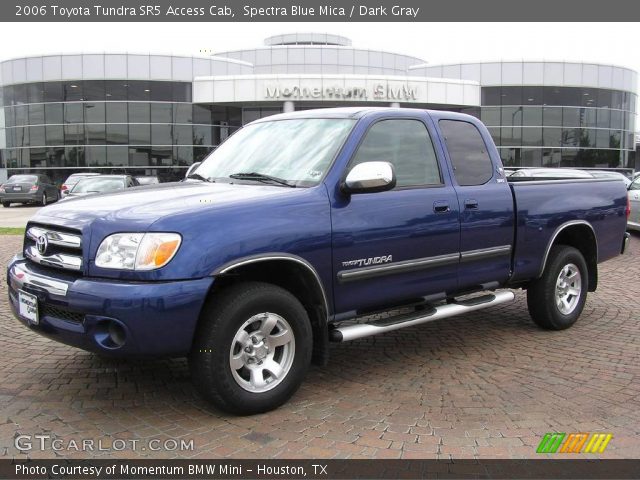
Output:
x=295 y=231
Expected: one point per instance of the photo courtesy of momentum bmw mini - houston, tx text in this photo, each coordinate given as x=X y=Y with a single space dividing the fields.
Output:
x=245 y=249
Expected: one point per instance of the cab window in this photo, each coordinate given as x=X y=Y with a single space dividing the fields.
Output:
x=407 y=145
x=468 y=152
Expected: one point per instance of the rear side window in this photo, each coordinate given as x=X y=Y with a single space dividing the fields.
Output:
x=407 y=145
x=468 y=152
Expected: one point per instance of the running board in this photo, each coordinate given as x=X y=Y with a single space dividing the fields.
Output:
x=360 y=330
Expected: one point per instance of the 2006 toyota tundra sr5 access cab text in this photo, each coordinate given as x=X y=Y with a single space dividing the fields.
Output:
x=297 y=228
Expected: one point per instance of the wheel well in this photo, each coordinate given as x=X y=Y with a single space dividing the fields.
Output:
x=582 y=238
x=300 y=281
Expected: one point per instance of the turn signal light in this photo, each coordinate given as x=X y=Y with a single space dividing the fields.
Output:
x=628 y=211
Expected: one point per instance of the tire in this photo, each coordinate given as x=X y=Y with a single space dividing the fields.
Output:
x=231 y=330
x=557 y=299
x=44 y=199
x=6 y=204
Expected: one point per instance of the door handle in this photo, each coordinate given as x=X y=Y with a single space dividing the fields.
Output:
x=441 y=206
x=471 y=204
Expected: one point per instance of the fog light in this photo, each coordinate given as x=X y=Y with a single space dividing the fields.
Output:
x=110 y=334
x=117 y=334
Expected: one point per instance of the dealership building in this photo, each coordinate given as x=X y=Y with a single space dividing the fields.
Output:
x=149 y=114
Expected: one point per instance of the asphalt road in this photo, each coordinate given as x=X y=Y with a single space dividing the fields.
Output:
x=484 y=385
x=17 y=215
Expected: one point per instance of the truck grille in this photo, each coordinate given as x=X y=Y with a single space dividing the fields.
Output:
x=54 y=247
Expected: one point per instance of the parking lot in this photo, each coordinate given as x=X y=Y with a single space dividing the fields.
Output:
x=488 y=384
x=17 y=215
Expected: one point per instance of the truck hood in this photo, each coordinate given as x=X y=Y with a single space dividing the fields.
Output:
x=144 y=205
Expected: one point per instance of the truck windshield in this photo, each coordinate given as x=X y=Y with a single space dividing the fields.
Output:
x=296 y=151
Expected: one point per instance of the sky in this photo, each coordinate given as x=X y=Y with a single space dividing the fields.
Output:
x=610 y=43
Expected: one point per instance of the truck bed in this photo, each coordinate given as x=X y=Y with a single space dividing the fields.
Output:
x=544 y=206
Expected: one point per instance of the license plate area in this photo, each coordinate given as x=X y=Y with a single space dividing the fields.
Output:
x=28 y=307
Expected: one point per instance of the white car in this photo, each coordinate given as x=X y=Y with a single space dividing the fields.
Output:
x=550 y=173
x=634 y=200
x=607 y=174
x=71 y=181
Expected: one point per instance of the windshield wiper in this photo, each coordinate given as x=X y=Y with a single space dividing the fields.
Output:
x=261 y=177
x=197 y=176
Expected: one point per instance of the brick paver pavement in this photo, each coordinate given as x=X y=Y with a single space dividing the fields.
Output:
x=488 y=384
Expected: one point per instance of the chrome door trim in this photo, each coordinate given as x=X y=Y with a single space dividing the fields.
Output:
x=484 y=253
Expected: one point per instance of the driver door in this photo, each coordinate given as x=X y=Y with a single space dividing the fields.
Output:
x=399 y=245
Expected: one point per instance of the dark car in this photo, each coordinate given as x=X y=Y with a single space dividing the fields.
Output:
x=31 y=188
x=71 y=181
x=101 y=184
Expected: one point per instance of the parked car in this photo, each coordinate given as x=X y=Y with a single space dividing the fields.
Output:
x=634 y=204
x=550 y=173
x=101 y=184
x=147 y=180
x=297 y=228
x=71 y=181
x=615 y=175
x=28 y=188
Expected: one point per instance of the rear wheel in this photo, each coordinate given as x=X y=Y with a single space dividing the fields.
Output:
x=6 y=204
x=252 y=348
x=44 y=199
x=557 y=299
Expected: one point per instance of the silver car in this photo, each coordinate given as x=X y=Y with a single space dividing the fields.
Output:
x=613 y=175
x=634 y=200
x=551 y=173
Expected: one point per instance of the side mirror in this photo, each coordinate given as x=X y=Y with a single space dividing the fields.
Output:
x=369 y=177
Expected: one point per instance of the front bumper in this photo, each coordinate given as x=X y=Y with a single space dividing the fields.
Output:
x=111 y=317
x=625 y=243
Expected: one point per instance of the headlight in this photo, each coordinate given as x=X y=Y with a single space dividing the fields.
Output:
x=137 y=251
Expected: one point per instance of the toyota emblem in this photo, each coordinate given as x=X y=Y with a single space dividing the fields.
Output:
x=42 y=243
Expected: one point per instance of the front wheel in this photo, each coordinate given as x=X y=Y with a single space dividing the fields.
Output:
x=252 y=348
x=6 y=204
x=557 y=298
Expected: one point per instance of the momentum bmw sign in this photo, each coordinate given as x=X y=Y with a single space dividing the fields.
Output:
x=376 y=92
x=261 y=88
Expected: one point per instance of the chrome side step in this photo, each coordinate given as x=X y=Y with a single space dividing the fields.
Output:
x=352 y=332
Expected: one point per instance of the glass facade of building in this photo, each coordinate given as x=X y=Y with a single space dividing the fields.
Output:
x=142 y=126
x=560 y=126
x=157 y=114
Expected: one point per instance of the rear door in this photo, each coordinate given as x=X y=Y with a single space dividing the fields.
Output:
x=401 y=244
x=486 y=206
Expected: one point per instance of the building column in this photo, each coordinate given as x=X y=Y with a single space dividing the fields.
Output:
x=394 y=105
x=288 y=106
